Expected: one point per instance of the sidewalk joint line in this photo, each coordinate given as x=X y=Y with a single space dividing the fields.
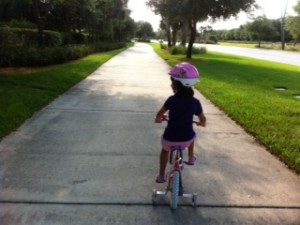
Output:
x=148 y=204
x=98 y=110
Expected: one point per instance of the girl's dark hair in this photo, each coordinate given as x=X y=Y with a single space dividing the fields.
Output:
x=182 y=90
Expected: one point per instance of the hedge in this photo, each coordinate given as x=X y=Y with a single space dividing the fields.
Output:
x=19 y=47
x=176 y=50
x=28 y=37
x=18 y=56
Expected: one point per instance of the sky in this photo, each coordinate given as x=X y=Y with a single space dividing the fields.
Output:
x=272 y=9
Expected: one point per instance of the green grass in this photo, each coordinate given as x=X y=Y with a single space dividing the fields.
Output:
x=22 y=95
x=244 y=89
x=264 y=45
x=238 y=44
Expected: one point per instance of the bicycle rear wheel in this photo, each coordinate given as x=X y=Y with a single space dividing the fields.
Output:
x=175 y=190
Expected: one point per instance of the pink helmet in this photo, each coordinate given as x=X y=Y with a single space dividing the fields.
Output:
x=186 y=73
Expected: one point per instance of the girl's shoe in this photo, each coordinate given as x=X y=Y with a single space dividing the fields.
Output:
x=191 y=161
x=160 y=179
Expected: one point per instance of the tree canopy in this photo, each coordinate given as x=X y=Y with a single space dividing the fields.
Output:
x=144 y=30
x=293 y=23
x=193 y=11
x=261 y=29
x=102 y=19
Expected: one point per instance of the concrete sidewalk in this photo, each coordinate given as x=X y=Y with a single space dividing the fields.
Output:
x=91 y=157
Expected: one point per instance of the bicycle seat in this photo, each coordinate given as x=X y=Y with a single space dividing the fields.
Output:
x=177 y=148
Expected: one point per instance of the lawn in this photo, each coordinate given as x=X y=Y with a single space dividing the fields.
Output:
x=244 y=89
x=264 y=45
x=23 y=94
x=238 y=44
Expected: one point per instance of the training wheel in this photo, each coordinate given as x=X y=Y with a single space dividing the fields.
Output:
x=154 y=195
x=194 y=200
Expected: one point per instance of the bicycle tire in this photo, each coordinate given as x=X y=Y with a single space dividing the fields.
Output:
x=175 y=190
x=154 y=195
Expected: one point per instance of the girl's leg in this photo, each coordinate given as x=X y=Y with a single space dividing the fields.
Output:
x=164 y=156
x=192 y=158
x=191 y=150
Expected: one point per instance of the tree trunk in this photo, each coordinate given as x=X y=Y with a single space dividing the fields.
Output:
x=174 y=36
x=282 y=34
x=37 y=15
x=184 y=32
x=193 y=27
x=168 y=29
x=40 y=34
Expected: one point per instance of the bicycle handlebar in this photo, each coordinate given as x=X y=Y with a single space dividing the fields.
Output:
x=165 y=118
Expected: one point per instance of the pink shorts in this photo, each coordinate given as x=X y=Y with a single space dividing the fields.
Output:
x=169 y=145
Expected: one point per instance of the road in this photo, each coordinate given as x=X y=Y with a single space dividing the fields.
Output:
x=91 y=157
x=291 y=58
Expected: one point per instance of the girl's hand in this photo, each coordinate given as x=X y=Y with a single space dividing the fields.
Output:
x=160 y=116
x=201 y=123
x=160 y=119
x=202 y=120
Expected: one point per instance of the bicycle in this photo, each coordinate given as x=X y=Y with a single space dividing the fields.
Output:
x=174 y=180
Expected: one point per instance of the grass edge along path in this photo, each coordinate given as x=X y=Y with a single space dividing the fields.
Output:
x=244 y=89
x=21 y=95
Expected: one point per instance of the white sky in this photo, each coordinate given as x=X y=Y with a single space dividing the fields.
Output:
x=271 y=8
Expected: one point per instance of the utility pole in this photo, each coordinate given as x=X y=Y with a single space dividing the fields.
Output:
x=282 y=22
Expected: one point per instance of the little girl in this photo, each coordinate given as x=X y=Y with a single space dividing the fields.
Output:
x=182 y=106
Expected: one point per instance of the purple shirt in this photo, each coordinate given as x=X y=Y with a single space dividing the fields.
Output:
x=181 y=112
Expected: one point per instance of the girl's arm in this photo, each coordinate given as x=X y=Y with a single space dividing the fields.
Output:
x=160 y=115
x=202 y=120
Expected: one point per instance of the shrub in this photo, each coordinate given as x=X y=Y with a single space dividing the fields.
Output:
x=201 y=50
x=147 y=40
x=78 y=37
x=29 y=37
x=7 y=37
x=106 y=46
x=176 y=50
x=72 y=38
x=22 y=23
x=19 y=47
x=180 y=50
x=212 y=39
x=163 y=46
x=51 y=38
x=11 y=55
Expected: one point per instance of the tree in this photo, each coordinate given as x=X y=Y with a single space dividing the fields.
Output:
x=78 y=12
x=293 y=26
x=261 y=29
x=171 y=20
x=15 y=9
x=35 y=11
x=205 y=31
x=41 y=11
x=144 y=30
x=102 y=19
x=293 y=23
x=129 y=29
x=194 y=11
x=244 y=36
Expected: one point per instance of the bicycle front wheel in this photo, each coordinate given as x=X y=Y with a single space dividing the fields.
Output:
x=175 y=190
